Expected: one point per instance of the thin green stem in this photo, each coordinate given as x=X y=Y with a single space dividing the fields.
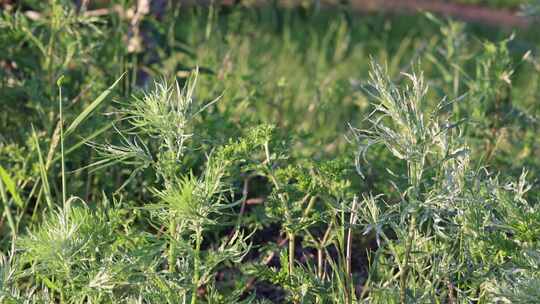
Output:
x=405 y=270
x=348 y=259
x=50 y=46
x=310 y=206
x=172 y=246
x=62 y=142
x=291 y=237
x=196 y=265
x=7 y=211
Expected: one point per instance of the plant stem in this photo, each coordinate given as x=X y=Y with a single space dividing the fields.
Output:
x=291 y=237
x=415 y=174
x=405 y=271
x=7 y=211
x=320 y=263
x=196 y=265
x=62 y=142
x=348 y=258
x=172 y=249
x=309 y=206
x=348 y=254
x=49 y=61
x=283 y=199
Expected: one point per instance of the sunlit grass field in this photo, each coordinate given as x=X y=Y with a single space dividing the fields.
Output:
x=262 y=154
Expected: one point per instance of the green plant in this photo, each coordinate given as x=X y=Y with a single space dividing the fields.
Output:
x=433 y=229
x=123 y=179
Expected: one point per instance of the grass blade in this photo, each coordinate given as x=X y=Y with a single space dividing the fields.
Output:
x=79 y=119
x=11 y=187
x=43 y=171
x=7 y=210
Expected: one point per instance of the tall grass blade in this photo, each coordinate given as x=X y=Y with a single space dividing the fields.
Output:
x=43 y=171
x=59 y=84
x=11 y=187
x=7 y=210
x=84 y=114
